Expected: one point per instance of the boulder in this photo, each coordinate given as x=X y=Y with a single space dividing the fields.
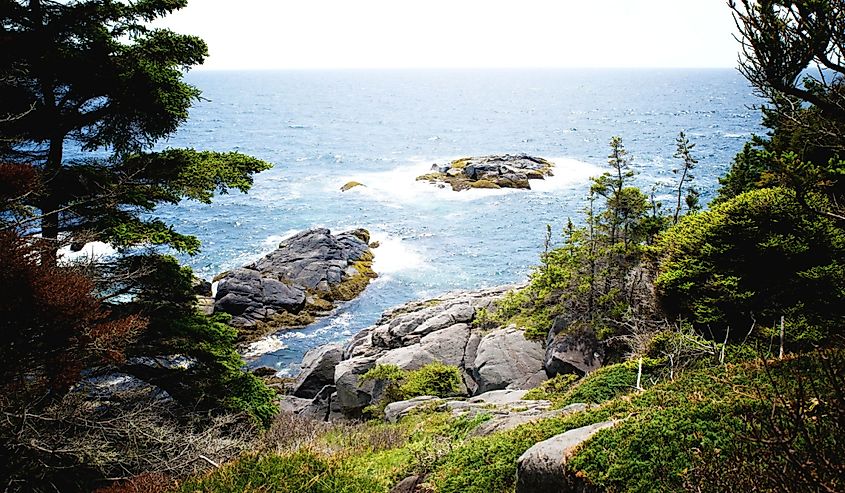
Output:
x=352 y=396
x=499 y=397
x=448 y=344
x=319 y=408
x=293 y=404
x=407 y=485
x=575 y=351
x=529 y=412
x=505 y=359
x=542 y=468
x=395 y=411
x=317 y=370
x=407 y=358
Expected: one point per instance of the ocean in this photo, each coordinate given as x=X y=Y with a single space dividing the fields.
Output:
x=321 y=129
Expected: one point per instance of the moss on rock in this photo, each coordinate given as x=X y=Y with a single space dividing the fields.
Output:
x=351 y=287
x=484 y=184
x=460 y=163
x=490 y=172
x=432 y=177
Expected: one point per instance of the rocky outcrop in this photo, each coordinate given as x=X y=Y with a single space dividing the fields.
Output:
x=507 y=409
x=302 y=278
x=506 y=359
x=542 y=468
x=572 y=350
x=440 y=329
x=317 y=370
x=503 y=171
x=421 y=332
x=396 y=410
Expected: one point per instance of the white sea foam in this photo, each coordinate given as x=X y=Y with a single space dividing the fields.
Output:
x=91 y=252
x=266 y=345
x=567 y=172
x=394 y=255
x=272 y=242
x=399 y=186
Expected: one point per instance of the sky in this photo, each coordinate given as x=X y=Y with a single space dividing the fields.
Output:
x=322 y=34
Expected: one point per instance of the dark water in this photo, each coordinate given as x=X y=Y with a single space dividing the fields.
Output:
x=383 y=128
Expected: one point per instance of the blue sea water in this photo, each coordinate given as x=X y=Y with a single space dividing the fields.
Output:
x=321 y=129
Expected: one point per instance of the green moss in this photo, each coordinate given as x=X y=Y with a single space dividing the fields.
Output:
x=278 y=321
x=354 y=285
x=460 y=163
x=432 y=177
x=318 y=304
x=350 y=185
x=483 y=184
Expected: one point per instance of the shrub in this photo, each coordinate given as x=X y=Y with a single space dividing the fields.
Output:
x=552 y=388
x=612 y=381
x=435 y=379
x=758 y=256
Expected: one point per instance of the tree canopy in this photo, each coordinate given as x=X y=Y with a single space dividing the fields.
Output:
x=93 y=77
x=792 y=53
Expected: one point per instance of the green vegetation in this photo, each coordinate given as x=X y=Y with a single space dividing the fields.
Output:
x=435 y=379
x=369 y=457
x=298 y=472
x=756 y=258
x=552 y=388
x=96 y=77
x=586 y=282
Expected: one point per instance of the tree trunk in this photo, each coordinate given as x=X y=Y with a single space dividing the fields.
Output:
x=49 y=204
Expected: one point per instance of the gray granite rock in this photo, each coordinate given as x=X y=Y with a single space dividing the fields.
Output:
x=572 y=351
x=394 y=411
x=542 y=468
x=314 y=261
x=414 y=335
x=317 y=370
x=505 y=359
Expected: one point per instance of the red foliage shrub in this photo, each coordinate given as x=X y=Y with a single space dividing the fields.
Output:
x=51 y=324
x=16 y=180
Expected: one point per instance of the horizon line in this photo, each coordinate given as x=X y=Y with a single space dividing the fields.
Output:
x=316 y=69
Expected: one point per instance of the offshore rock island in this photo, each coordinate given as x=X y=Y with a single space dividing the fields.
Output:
x=496 y=171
